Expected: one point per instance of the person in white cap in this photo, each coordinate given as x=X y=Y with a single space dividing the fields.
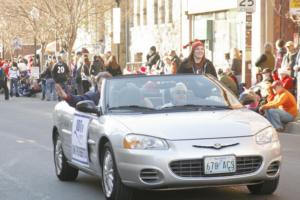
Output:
x=286 y=79
x=289 y=60
x=179 y=94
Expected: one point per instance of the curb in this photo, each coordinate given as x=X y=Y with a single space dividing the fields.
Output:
x=293 y=127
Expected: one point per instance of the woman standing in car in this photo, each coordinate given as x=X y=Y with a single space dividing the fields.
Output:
x=196 y=62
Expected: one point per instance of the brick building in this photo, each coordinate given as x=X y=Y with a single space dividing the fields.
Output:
x=284 y=27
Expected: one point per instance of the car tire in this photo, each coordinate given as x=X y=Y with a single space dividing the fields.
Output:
x=64 y=171
x=267 y=187
x=112 y=185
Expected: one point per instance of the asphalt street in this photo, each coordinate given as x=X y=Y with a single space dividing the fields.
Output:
x=27 y=170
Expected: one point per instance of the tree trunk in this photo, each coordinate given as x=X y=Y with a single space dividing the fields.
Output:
x=70 y=46
x=43 y=50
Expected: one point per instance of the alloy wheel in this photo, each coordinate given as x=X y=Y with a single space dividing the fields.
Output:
x=108 y=173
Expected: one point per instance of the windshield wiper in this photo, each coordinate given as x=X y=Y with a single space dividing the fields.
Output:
x=215 y=107
x=210 y=107
x=130 y=107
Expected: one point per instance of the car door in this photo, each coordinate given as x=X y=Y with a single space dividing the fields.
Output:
x=95 y=132
x=77 y=139
x=66 y=122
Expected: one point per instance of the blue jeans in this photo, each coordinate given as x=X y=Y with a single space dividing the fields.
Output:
x=43 y=88
x=50 y=90
x=14 y=85
x=277 y=117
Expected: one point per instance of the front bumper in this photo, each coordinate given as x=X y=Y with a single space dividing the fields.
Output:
x=130 y=163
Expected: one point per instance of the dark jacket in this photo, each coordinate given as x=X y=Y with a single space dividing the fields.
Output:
x=187 y=68
x=47 y=74
x=2 y=74
x=60 y=72
x=72 y=100
x=236 y=66
x=96 y=67
x=266 y=60
x=289 y=60
x=114 y=72
x=152 y=59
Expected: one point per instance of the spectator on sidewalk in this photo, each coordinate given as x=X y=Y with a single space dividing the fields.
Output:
x=96 y=67
x=286 y=80
x=85 y=75
x=282 y=109
x=280 y=52
x=152 y=57
x=77 y=73
x=50 y=83
x=113 y=67
x=94 y=96
x=175 y=59
x=3 y=82
x=236 y=64
x=289 y=60
x=61 y=72
x=228 y=82
x=169 y=67
x=14 y=75
x=267 y=59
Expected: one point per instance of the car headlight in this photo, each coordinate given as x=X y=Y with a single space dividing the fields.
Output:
x=266 y=136
x=133 y=141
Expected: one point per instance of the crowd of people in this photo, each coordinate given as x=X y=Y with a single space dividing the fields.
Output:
x=16 y=74
x=272 y=95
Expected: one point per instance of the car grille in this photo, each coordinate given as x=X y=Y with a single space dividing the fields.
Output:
x=195 y=168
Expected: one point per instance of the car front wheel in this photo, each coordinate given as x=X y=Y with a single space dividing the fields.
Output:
x=267 y=187
x=112 y=185
x=64 y=171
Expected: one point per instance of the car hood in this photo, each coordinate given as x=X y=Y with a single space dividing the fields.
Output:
x=195 y=125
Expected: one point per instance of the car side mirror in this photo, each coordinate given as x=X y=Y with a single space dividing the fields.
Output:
x=88 y=106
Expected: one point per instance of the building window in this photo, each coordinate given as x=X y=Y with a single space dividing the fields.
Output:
x=170 y=20
x=138 y=13
x=155 y=11
x=145 y=12
x=162 y=9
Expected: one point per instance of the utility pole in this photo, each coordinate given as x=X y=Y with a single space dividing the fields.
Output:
x=118 y=45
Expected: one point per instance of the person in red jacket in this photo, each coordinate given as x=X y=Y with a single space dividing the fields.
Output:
x=286 y=79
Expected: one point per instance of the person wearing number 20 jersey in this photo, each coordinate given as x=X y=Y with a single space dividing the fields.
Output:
x=60 y=71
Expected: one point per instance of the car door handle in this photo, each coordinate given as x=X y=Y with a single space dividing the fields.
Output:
x=91 y=142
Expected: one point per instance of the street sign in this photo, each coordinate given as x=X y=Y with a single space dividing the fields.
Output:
x=17 y=43
x=35 y=72
x=295 y=7
x=247 y=5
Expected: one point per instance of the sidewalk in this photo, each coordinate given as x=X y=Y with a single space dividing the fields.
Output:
x=293 y=127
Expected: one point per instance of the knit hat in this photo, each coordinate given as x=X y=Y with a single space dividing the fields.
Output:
x=196 y=44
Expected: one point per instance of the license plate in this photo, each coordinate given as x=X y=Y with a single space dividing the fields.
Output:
x=219 y=165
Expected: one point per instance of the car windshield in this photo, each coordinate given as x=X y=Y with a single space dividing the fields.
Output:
x=166 y=93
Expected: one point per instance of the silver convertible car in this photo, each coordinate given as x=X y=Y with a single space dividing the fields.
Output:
x=165 y=133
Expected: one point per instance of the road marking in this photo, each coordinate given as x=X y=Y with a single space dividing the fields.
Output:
x=26 y=140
